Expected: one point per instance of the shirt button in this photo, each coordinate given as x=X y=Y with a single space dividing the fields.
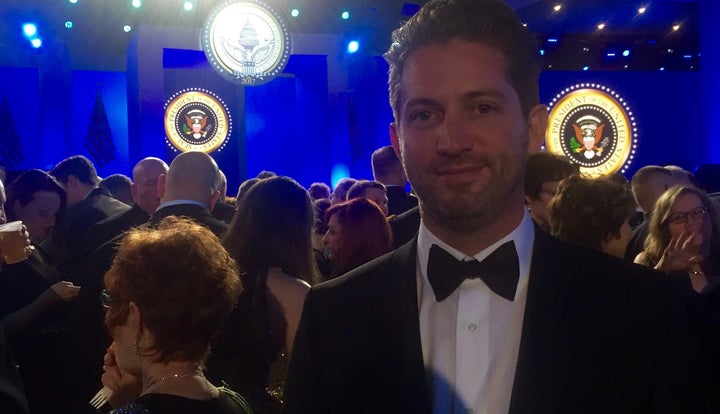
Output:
x=472 y=327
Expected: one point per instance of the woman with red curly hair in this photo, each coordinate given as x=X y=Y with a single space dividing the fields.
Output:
x=357 y=233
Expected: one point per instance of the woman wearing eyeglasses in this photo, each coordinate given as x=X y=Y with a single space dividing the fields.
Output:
x=684 y=237
x=167 y=292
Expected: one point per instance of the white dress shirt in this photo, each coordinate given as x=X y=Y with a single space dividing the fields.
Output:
x=470 y=340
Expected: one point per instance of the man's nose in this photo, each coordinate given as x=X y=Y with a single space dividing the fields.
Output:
x=455 y=136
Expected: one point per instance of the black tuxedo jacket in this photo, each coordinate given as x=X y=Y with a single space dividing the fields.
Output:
x=398 y=200
x=599 y=335
x=113 y=226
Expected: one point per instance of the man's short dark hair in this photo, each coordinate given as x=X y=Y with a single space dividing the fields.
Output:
x=385 y=162
x=78 y=166
x=542 y=167
x=489 y=22
x=358 y=189
x=319 y=190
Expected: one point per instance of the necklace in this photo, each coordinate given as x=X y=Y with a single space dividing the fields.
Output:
x=173 y=377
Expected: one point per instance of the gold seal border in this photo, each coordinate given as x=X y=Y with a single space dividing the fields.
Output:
x=227 y=72
x=182 y=99
x=592 y=96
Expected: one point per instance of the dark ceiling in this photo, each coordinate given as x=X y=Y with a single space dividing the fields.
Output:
x=97 y=41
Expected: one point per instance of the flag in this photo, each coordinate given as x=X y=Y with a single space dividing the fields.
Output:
x=99 y=140
x=356 y=148
x=11 y=152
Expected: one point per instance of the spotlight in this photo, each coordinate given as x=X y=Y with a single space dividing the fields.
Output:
x=642 y=10
x=557 y=7
x=626 y=52
x=127 y=28
x=345 y=15
x=188 y=5
x=662 y=68
x=73 y=1
x=676 y=27
x=136 y=3
x=294 y=12
x=353 y=46
x=586 y=68
x=29 y=29
x=68 y=24
x=601 y=26
x=610 y=54
x=542 y=52
x=36 y=43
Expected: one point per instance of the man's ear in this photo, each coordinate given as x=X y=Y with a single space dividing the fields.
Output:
x=72 y=182
x=395 y=140
x=162 y=181
x=214 y=199
x=133 y=191
x=537 y=127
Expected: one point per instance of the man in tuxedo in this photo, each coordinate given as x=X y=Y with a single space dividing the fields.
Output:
x=87 y=204
x=144 y=192
x=482 y=311
x=388 y=170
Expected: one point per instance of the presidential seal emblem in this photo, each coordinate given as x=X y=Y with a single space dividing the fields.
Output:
x=592 y=126
x=246 y=42
x=196 y=120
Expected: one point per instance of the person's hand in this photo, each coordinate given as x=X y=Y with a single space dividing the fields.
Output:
x=682 y=252
x=65 y=290
x=29 y=248
x=125 y=386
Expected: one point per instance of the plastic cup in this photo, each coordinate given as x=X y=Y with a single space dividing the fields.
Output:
x=12 y=242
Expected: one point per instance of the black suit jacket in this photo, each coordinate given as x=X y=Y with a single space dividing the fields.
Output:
x=599 y=335
x=65 y=243
x=113 y=226
x=398 y=200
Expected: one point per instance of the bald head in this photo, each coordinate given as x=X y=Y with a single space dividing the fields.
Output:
x=649 y=183
x=145 y=177
x=192 y=176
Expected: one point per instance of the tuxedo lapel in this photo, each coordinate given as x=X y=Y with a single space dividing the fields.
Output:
x=400 y=310
x=545 y=354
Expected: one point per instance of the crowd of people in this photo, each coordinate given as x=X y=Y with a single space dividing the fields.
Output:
x=472 y=273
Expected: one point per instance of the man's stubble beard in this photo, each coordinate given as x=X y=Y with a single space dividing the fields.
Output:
x=463 y=212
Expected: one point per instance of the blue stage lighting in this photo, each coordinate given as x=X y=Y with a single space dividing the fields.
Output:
x=29 y=29
x=136 y=3
x=662 y=68
x=345 y=15
x=36 y=43
x=68 y=24
x=552 y=40
x=610 y=54
x=586 y=67
x=127 y=28
x=188 y=5
x=353 y=46
x=73 y=1
x=626 y=52
x=294 y=12
x=542 y=52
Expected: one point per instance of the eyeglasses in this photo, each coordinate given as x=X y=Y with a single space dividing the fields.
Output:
x=106 y=299
x=681 y=217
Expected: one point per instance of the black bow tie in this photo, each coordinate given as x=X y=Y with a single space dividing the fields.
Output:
x=499 y=271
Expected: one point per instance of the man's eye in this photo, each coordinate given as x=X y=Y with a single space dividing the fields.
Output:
x=421 y=116
x=484 y=108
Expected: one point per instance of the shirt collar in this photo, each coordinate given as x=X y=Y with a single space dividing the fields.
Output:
x=176 y=202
